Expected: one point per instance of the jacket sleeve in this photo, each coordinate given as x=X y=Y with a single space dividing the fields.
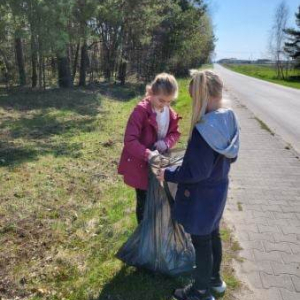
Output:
x=197 y=163
x=132 y=134
x=173 y=134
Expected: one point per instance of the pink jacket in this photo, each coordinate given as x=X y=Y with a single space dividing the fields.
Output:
x=140 y=135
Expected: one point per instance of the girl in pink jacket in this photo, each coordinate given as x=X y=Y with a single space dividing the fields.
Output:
x=153 y=125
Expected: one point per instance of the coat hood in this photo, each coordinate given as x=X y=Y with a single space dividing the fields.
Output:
x=220 y=130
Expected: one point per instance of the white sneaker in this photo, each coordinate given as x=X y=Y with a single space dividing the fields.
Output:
x=220 y=289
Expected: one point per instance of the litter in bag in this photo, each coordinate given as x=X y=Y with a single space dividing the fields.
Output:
x=159 y=243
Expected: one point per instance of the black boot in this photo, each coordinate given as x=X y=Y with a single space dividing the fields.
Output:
x=191 y=293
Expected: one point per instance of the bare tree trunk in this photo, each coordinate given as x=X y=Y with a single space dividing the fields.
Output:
x=122 y=72
x=7 y=69
x=33 y=62
x=53 y=66
x=34 y=72
x=287 y=69
x=282 y=71
x=20 y=61
x=40 y=69
x=75 y=61
x=44 y=73
x=83 y=64
x=7 y=65
x=106 y=62
x=98 y=56
x=64 y=74
x=40 y=60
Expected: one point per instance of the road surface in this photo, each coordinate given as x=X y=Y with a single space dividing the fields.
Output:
x=277 y=106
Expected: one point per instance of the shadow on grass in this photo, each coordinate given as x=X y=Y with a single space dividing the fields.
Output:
x=35 y=123
x=119 y=92
x=138 y=284
x=42 y=125
x=13 y=154
x=83 y=102
x=27 y=138
x=293 y=79
x=143 y=284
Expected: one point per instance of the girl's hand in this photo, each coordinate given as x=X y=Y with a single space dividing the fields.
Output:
x=160 y=175
x=152 y=154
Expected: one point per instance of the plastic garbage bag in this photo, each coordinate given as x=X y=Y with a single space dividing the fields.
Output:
x=159 y=243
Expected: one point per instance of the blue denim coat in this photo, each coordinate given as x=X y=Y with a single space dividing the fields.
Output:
x=203 y=176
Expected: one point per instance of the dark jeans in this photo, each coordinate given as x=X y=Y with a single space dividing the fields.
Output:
x=140 y=204
x=208 y=250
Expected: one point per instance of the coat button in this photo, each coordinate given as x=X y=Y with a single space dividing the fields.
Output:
x=187 y=193
x=128 y=159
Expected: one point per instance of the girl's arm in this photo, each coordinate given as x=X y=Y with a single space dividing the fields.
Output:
x=133 y=133
x=197 y=163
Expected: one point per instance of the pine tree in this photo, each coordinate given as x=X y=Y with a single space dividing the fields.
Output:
x=43 y=41
x=293 y=46
x=19 y=34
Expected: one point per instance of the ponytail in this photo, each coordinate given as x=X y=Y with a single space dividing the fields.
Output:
x=199 y=93
x=203 y=85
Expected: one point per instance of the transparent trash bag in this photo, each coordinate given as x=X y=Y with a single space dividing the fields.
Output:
x=159 y=243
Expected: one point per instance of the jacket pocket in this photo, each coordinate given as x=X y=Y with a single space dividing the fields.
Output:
x=135 y=163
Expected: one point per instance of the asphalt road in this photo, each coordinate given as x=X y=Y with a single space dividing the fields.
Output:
x=277 y=106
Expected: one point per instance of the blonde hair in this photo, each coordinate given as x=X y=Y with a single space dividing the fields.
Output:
x=163 y=83
x=203 y=85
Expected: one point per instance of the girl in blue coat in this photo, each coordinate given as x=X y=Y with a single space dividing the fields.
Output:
x=203 y=182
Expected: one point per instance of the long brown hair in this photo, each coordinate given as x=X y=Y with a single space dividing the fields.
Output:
x=203 y=85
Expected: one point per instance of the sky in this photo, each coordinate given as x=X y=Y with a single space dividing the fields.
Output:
x=242 y=27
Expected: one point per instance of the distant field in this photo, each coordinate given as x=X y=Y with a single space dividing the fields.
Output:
x=267 y=73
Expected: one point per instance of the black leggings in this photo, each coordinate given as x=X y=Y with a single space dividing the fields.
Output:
x=208 y=250
x=140 y=204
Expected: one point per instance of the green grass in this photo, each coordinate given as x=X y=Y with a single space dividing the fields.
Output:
x=231 y=248
x=264 y=126
x=240 y=207
x=64 y=212
x=267 y=73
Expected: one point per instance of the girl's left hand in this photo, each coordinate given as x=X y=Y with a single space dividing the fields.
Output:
x=161 y=175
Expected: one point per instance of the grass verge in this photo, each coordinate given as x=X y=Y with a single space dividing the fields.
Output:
x=64 y=211
x=239 y=205
x=264 y=126
x=267 y=73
